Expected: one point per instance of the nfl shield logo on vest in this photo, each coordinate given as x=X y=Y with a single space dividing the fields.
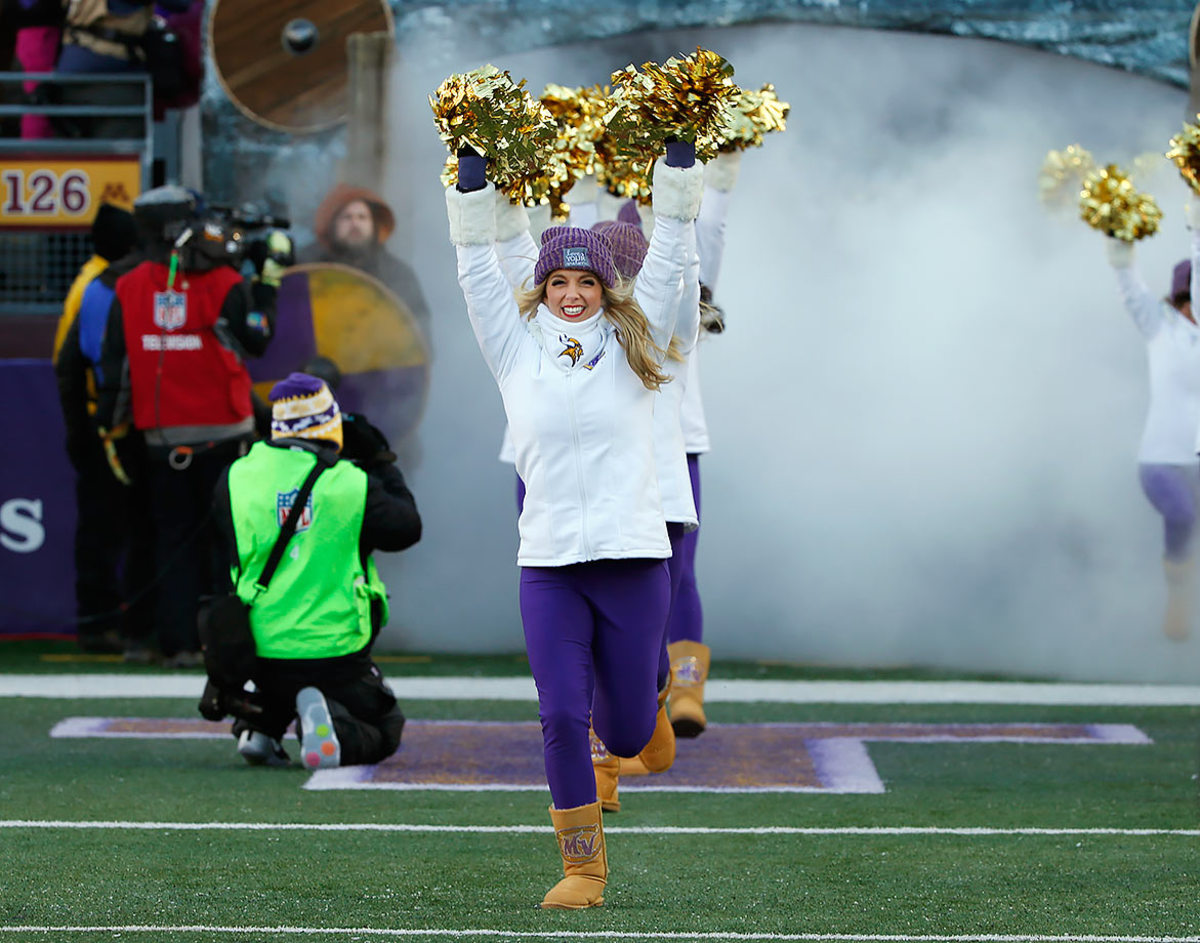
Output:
x=170 y=310
x=283 y=504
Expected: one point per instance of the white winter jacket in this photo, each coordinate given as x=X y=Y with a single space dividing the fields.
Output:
x=581 y=421
x=1169 y=436
x=518 y=254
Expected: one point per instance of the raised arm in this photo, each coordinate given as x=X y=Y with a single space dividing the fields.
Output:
x=490 y=303
x=514 y=244
x=1143 y=307
x=687 y=322
x=677 y=191
x=720 y=175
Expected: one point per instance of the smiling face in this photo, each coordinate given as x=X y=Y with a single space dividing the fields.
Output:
x=573 y=295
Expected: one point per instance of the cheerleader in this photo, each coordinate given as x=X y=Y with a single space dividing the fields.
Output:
x=689 y=656
x=1167 y=463
x=578 y=367
x=628 y=247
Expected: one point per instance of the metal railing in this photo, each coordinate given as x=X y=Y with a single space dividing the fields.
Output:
x=37 y=266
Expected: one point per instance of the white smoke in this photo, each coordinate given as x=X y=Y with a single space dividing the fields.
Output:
x=926 y=408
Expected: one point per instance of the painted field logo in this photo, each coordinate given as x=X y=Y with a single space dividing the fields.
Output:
x=283 y=504
x=828 y=758
x=576 y=257
x=170 y=310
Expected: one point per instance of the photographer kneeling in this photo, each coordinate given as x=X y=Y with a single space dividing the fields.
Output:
x=305 y=582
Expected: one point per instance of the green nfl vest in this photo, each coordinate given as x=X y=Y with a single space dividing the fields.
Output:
x=319 y=602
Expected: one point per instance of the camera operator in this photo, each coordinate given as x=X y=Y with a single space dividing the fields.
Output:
x=307 y=645
x=173 y=367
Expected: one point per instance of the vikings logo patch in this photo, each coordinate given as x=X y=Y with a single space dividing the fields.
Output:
x=170 y=310
x=283 y=504
x=571 y=348
x=579 y=844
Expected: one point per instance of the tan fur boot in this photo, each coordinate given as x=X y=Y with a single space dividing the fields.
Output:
x=1181 y=590
x=659 y=754
x=580 y=834
x=689 y=671
x=608 y=772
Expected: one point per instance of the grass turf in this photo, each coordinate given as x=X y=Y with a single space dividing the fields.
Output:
x=736 y=883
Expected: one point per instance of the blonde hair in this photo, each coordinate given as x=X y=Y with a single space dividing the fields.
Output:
x=633 y=329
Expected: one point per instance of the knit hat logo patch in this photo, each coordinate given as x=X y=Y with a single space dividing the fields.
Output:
x=576 y=257
x=170 y=310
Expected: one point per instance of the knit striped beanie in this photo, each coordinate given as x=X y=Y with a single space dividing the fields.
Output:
x=568 y=247
x=302 y=407
x=627 y=244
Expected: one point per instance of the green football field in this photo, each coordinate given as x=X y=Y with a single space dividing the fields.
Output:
x=814 y=808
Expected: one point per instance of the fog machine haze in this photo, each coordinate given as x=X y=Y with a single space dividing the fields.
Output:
x=926 y=407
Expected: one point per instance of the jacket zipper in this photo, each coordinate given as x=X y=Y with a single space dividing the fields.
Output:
x=579 y=477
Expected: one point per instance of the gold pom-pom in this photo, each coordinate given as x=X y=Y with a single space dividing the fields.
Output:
x=751 y=115
x=579 y=119
x=686 y=97
x=623 y=174
x=1062 y=175
x=488 y=111
x=1185 y=152
x=1109 y=202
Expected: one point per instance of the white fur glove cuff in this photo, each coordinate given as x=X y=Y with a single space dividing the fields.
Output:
x=721 y=172
x=677 y=190
x=472 y=216
x=1120 y=252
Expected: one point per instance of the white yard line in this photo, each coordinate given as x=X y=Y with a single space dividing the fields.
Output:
x=188 y=686
x=899 y=830
x=355 y=932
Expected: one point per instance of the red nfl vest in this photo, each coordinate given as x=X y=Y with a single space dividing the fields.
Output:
x=179 y=372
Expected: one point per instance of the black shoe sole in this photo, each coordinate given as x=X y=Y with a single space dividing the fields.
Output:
x=687 y=729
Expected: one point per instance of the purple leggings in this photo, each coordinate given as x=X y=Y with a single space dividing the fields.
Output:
x=675 y=567
x=686 y=622
x=594 y=634
x=1172 y=489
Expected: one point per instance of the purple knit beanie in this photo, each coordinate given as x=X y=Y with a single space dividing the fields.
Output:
x=302 y=407
x=628 y=213
x=569 y=247
x=627 y=244
x=1181 y=281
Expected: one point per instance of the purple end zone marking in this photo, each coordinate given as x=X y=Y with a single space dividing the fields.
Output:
x=483 y=755
x=141 y=728
x=830 y=758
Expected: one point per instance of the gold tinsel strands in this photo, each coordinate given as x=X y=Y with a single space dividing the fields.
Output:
x=686 y=97
x=579 y=116
x=488 y=111
x=623 y=174
x=1109 y=202
x=1062 y=174
x=753 y=114
x=1185 y=152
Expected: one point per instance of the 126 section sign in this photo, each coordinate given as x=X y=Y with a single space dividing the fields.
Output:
x=56 y=191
